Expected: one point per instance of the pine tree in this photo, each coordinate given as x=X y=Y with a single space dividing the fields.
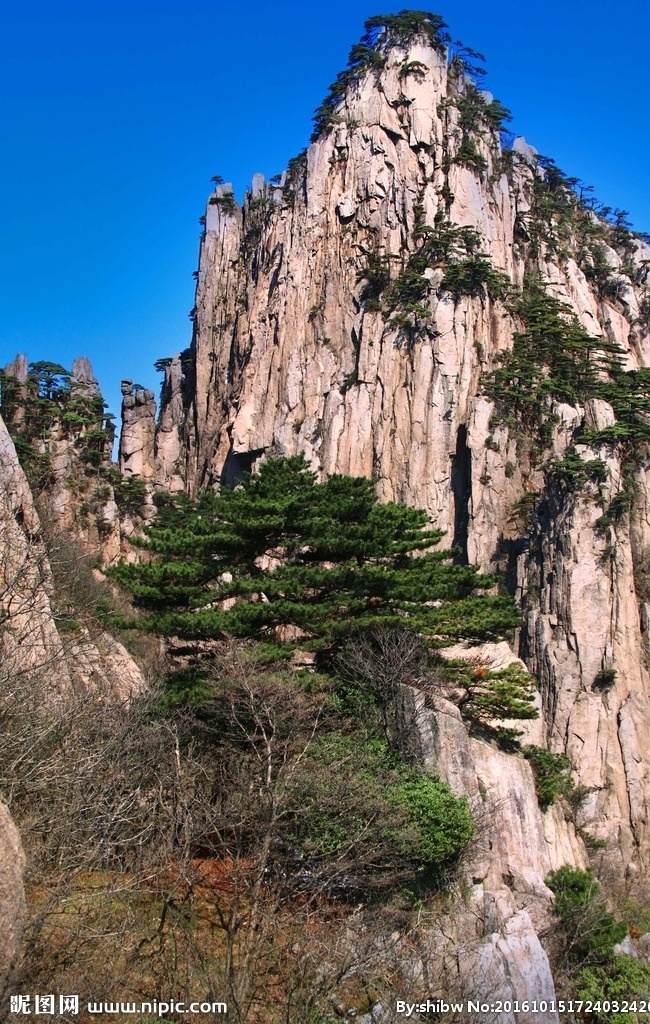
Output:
x=283 y=550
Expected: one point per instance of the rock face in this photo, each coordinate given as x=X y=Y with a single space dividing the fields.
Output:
x=71 y=442
x=31 y=646
x=137 y=436
x=169 y=456
x=30 y=641
x=585 y=642
x=300 y=345
x=12 y=897
x=83 y=376
x=515 y=848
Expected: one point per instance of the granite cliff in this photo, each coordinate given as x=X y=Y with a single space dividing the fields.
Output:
x=423 y=300
x=357 y=309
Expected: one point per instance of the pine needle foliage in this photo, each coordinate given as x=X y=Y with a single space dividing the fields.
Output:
x=490 y=696
x=552 y=774
x=591 y=930
x=443 y=245
x=382 y=32
x=553 y=358
x=283 y=550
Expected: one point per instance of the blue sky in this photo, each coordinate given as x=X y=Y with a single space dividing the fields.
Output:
x=115 y=117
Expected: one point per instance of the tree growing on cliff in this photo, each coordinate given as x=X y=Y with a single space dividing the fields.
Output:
x=284 y=555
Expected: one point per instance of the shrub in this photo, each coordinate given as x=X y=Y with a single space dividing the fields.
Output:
x=443 y=821
x=552 y=774
x=377 y=278
x=375 y=824
x=413 y=67
x=623 y=978
x=605 y=679
x=590 y=931
x=130 y=493
x=469 y=156
x=475 y=277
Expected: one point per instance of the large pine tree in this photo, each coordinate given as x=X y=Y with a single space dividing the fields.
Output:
x=283 y=550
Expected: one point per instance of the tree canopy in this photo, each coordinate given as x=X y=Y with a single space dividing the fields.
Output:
x=282 y=550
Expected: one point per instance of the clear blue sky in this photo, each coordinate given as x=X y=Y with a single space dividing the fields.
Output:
x=116 y=115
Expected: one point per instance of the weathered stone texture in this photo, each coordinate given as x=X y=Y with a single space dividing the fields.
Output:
x=138 y=429
x=169 y=456
x=29 y=640
x=286 y=357
x=31 y=646
x=12 y=897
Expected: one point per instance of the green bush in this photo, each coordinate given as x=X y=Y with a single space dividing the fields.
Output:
x=590 y=931
x=623 y=979
x=468 y=154
x=552 y=774
x=186 y=687
x=443 y=821
x=605 y=679
x=475 y=277
x=354 y=796
x=130 y=493
x=413 y=67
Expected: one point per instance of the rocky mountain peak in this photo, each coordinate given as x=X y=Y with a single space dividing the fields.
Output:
x=398 y=305
x=422 y=300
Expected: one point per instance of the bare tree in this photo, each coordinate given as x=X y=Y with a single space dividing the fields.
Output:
x=377 y=662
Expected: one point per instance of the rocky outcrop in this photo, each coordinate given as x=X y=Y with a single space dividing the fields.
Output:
x=33 y=650
x=169 y=455
x=12 y=897
x=287 y=355
x=15 y=376
x=18 y=368
x=137 y=437
x=29 y=638
x=66 y=442
x=339 y=382
x=524 y=843
x=508 y=965
x=584 y=641
x=83 y=376
x=300 y=345
x=516 y=846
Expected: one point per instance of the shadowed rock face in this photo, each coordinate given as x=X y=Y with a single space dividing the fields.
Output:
x=176 y=395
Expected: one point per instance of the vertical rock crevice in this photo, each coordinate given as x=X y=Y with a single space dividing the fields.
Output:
x=461 y=488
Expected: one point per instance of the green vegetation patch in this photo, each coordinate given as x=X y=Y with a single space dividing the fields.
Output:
x=552 y=774
x=341 y=561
